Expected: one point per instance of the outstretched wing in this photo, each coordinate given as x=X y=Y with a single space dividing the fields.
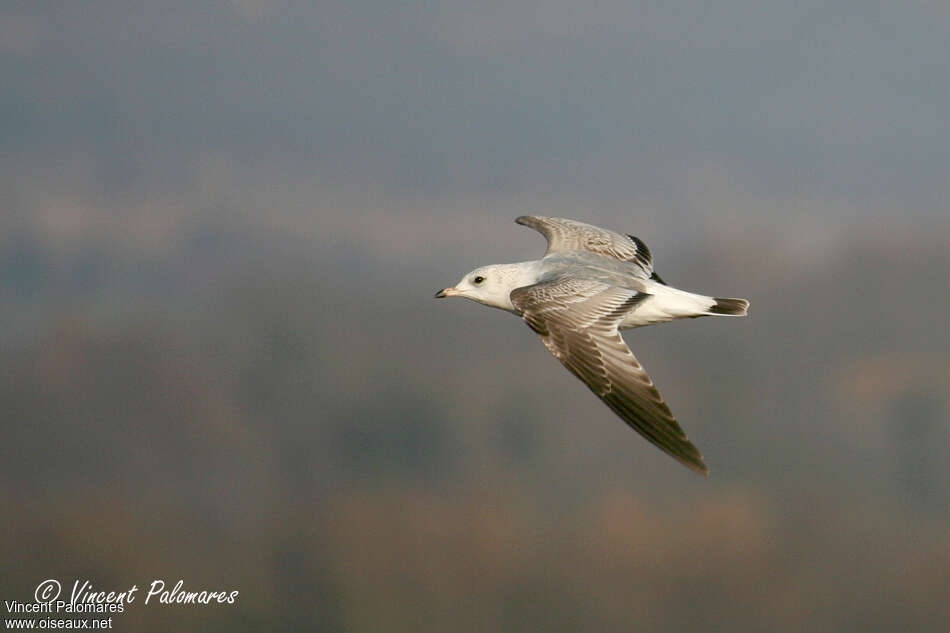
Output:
x=565 y=236
x=578 y=322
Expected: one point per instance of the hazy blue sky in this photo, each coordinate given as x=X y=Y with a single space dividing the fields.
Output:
x=221 y=227
x=832 y=107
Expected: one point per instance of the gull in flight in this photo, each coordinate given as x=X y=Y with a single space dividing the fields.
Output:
x=590 y=284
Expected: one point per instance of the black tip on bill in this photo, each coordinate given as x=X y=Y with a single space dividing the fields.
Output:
x=440 y=294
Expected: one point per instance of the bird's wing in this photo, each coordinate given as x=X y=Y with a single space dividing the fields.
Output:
x=565 y=236
x=578 y=322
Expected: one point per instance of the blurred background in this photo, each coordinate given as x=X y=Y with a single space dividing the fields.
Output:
x=221 y=227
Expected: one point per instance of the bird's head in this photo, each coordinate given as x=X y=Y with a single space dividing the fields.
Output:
x=490 y=285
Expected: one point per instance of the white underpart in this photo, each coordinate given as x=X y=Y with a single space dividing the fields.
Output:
x=667 y=304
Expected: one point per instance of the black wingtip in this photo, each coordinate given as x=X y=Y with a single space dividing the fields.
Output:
x=693 y=461
x=702 y=469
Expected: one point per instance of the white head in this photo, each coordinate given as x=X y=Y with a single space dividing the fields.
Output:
x=491 y=285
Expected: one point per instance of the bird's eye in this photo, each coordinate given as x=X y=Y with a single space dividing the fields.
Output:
x=478 y=279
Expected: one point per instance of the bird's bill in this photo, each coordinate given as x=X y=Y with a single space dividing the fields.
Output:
x=447 y=292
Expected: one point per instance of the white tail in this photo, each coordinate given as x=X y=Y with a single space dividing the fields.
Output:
x=668 y=304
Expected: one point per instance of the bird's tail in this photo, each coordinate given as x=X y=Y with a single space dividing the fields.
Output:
x=668 y=304
x=729 y=307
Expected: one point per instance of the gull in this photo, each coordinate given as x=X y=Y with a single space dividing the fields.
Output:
x=590 y=284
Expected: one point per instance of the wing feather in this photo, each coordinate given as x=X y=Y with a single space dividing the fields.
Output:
x=566 y=236
x=578 y=322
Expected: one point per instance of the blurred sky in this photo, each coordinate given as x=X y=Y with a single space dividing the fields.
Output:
x=681 y=110
x=221 y=226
